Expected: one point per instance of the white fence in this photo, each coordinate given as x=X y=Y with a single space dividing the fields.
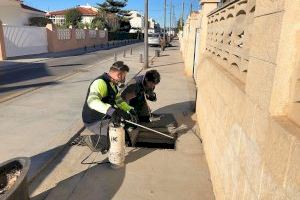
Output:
x=63 y=34
x=80 y=34
x=25 y=40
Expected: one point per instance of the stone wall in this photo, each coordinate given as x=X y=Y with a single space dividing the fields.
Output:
x=68 y=39
x=248 y=104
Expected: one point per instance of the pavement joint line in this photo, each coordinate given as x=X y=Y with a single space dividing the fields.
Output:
x=63 y=77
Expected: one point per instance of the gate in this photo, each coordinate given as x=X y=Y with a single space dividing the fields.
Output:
x=25 y=40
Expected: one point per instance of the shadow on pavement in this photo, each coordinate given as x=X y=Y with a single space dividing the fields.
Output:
x=67 y=65
x=30 y=72
x=11 y=88
x=186 y=106
x=165 y=65
x=97 y=182
x=183 y=113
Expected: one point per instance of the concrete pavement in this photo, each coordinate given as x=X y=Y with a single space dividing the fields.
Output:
x=149 y=173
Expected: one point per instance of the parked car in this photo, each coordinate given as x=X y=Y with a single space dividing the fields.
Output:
x=154 y=39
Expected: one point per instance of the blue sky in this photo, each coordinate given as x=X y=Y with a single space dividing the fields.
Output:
x=155 y=6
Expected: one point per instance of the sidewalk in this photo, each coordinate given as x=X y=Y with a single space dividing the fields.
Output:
x=149 y=173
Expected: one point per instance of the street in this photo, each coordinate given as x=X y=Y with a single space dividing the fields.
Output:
x=24 y=77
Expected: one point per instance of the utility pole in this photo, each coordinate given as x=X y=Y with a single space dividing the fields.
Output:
x=191 y=9
x=165 y=18
x=182 y=14
x=146 y=35
x=170 y=28
x=174 y=19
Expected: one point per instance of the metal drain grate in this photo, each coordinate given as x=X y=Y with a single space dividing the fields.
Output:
x=146 y=139
x=155 y=145
x=150 y=140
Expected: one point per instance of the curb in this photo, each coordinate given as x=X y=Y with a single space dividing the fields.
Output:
x=78 y=128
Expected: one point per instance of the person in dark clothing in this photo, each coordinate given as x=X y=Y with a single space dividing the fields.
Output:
x=103 y=105
x=138 y=91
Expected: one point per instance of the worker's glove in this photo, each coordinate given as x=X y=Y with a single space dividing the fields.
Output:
x=151 y=96
x=118 y=115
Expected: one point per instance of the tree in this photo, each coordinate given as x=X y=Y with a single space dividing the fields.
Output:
x=99 y=22
x=116 y=7
x=179 y=26
x=73 y=17
x=39 y=21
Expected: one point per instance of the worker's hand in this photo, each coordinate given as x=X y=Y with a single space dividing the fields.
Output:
x=134 y=115
x=151 y=96
x=118 y=116
x=133 y=112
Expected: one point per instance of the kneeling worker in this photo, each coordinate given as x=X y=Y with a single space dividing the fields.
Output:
x=138 y=91
x=103 y=104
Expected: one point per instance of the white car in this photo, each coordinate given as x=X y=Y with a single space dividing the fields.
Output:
x=154 y=39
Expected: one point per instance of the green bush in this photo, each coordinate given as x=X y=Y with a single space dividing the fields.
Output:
x=39 y=21
x=121 y=36
x=73 y=17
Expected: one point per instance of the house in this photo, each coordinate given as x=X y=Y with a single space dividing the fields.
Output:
x=88 y=14
x=16 y=13
x=137 y=22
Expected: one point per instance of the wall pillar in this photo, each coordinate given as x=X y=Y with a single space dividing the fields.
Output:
x=206 y=7
x=51 y=37
x=2 y=43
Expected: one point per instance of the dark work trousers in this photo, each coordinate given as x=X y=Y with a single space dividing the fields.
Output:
x=140 y=105
x=99 y=141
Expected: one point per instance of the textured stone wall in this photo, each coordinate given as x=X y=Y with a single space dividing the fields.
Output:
x=68 y=39
x=249 y=115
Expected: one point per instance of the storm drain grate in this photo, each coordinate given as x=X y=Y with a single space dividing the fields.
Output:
x=155 y=145
x=150 y=140
x=145 y=139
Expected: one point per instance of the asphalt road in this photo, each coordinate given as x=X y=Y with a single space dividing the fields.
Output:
x=24 y=77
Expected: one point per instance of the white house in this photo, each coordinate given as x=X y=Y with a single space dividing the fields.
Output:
x=88 y=14
x=136 y=21
x=15 y=13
